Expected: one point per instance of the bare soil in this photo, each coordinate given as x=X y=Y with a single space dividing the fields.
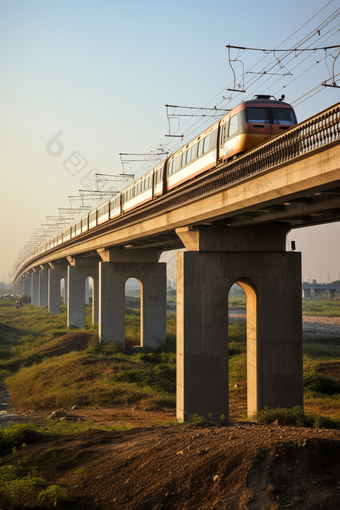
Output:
x=73 y=341
x=194 y=466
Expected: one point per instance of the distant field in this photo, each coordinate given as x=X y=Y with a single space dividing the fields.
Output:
x=320 y=307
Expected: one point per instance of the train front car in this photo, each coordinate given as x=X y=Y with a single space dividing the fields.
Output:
x=252 y=123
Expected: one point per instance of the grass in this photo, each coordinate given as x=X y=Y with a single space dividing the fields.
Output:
x=94 y=377
x=321 y=307
x=295 y=417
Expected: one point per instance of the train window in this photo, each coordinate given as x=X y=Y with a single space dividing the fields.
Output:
x=206 y=144
x=177 y=164
x=200 y=147
x=233 y=125
x=161 y=173
x=194 y=152
x=257 y=115
x=189 y=157
x=283 y=116
x=184 y=158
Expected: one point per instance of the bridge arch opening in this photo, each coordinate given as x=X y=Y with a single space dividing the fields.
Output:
x=88 y=310
x=245 y=368
x=63 y=292
x=133 y=313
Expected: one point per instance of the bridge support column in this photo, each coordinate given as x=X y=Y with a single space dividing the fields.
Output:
x=306 y=293
x=332 y=293
x=255 y=258
x=317 y=293
x=35 y=287
x=43 y=285
x=78 y=271
x=27 y=284
x=57 y=271
x=117 y=267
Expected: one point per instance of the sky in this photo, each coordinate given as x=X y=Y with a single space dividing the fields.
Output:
x=86 y=80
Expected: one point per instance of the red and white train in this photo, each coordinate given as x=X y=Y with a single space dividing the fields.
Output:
x=243 y=128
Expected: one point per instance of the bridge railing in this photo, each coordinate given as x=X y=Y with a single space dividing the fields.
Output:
x=302 y=139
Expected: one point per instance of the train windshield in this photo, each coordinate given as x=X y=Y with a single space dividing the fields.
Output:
x=258 y=115
x=271 y=116
x=283 y=116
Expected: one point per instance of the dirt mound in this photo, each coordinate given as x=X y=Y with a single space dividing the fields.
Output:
x=329 y=369
x=198 y=467
x=74 y=341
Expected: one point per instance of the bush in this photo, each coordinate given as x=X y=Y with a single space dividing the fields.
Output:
x=53 y=493
x=141 y=377
x=294 y=417
x=16 y=435
x=26 y=299
x=16 y=489
x=162 y=379
x=313 y=381
x=20 y=486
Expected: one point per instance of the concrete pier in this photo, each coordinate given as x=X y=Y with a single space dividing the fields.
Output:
x=43 y=285
x=35 y=287
x=27 y=284
x=255 y=258
x=79 y=270
x=57 y=271
x=117 y=267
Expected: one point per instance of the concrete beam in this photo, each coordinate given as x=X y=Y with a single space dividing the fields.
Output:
x=121 y=254
x=220 y=238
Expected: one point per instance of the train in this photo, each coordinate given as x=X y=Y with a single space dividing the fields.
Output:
x=238 y=131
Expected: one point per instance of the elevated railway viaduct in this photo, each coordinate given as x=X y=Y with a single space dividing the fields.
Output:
x=233 y=222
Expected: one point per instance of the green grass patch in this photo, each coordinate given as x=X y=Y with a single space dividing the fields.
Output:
x=321 y=307
x=320 y=352
x=294 y=417
x=315 y=382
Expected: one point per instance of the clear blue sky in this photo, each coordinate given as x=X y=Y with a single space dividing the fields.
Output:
x=102 y=71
